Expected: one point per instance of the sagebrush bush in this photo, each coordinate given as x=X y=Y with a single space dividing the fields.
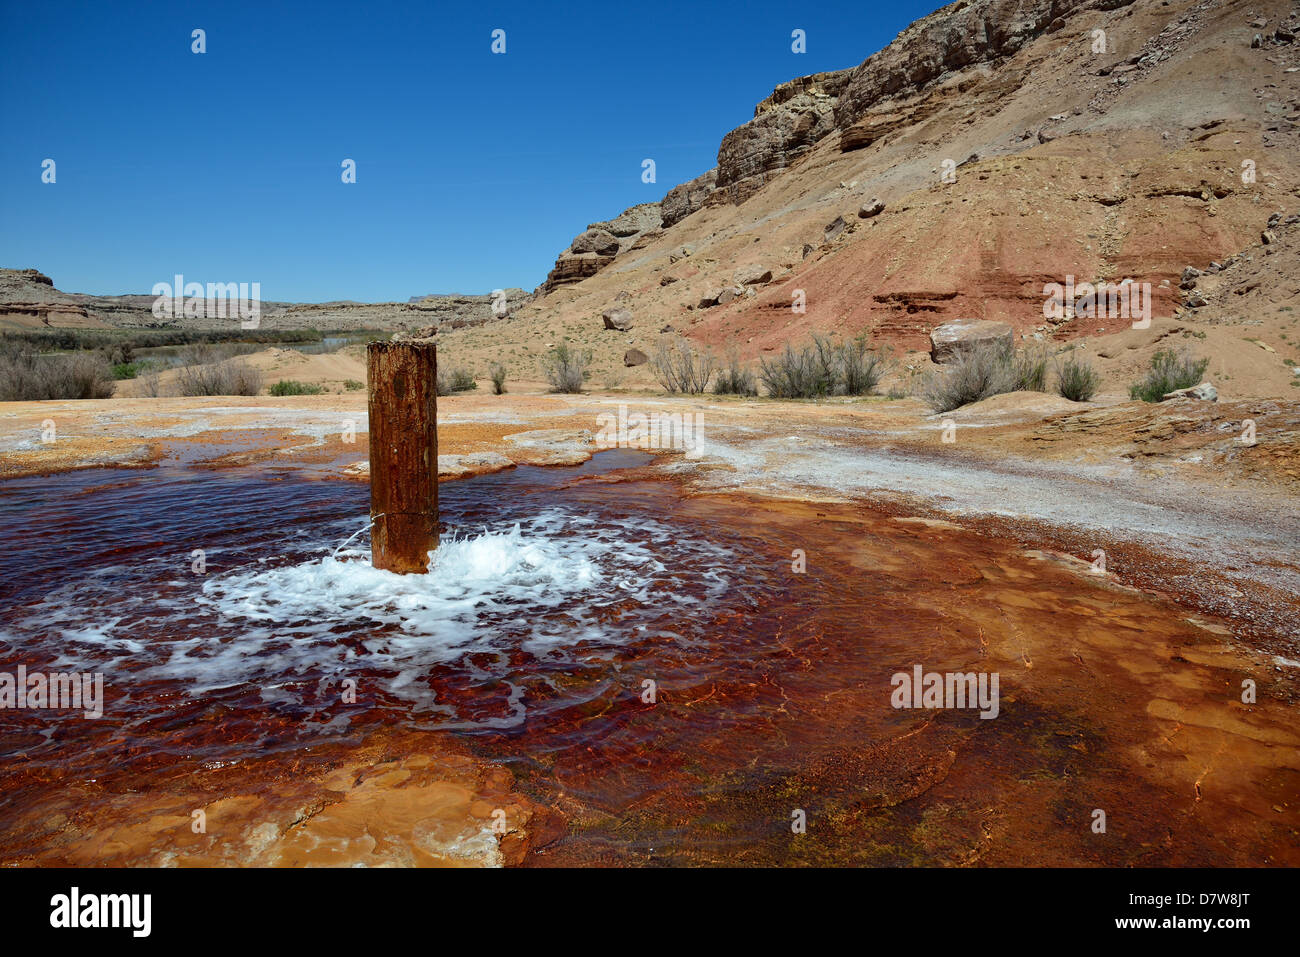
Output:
x=452 y=380
x=974 y=375
x=228 y=377
x=823 y=369
x=566 y=368
x=1029 y=369
x=293 y=387
x=498 y=373
x=1169 y=372
x=1076 y=380
x=860 y=368
x=735 y=379
x=26 y=375
x=679 y=368
x=151 y=384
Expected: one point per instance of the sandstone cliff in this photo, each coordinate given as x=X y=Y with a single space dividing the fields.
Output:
x=994 y=147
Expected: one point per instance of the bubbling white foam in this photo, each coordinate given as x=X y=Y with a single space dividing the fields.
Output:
x=557 y=585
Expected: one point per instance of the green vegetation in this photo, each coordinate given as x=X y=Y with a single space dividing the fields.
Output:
x=823 y=369
x=994 y=370
x=452 y=380
x=1076 y=379
x=66 y=340
x=734 y=379
x=566 y=368
x=1169 y=372
x=292 y=387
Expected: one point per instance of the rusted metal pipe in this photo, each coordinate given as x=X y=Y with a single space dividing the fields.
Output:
x=402 y=378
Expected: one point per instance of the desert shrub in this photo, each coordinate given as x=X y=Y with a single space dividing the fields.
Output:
x=566 y=368
x=73 y=339
x=734 y=379
x=823 y=369
x=975 y=375
x=792 y=375
x=293 y=387
x=679 y=368
x=1169 y=372
x=498 y=374
x=860 y=368
x=28 y=376
x=352 y=385
x=228 y=377
x=1076 y=379
x=452 y=380
x=151 y=384
x=1029 y=369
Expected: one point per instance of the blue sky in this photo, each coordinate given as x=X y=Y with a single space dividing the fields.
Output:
x=473 y=169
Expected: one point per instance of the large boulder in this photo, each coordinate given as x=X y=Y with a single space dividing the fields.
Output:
x=596 y=241
x=953 y=340
x=751 y=275
x=620 y=319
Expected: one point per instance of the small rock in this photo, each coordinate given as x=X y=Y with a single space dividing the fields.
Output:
x=729 y=293
x=1196 y=300
x=1268 y=237
x=681 y=252
x=667 y=280
x=873 y=208
x=635 y=357
x=835 y=228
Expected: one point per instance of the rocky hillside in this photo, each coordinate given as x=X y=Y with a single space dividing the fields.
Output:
x=28 y=299
x=994 y=147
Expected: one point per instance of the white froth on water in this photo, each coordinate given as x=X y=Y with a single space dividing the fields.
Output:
x=556 y=585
